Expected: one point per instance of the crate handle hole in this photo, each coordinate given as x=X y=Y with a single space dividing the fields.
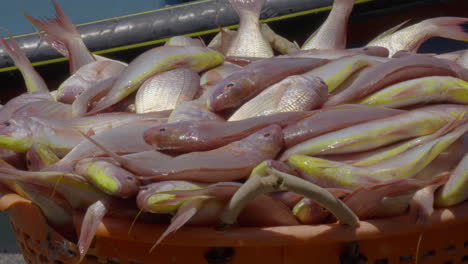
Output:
x=381 y=261
x=406 y=258
x=465 y=259
x=450 y=249
x=113 y=261
x=428 y=254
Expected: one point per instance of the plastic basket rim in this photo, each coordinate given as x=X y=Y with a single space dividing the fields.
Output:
x=115 y=228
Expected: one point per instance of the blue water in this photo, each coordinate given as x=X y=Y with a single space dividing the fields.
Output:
x=78 y=11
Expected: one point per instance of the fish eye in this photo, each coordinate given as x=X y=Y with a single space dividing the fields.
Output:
x=28 y=162
x=7 y=123
x=129 y=178
x=322 y=82
x=162 y=129
x=230 y=85
x=266 y=135
x=366 y=48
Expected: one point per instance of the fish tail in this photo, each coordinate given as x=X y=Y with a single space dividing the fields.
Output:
x=450 y=27
x=344 y=4
x=61 y=33
x=240 y=6
x=34 y=81
x=186 y=211
x=15 y=52
x=59 y=28
x=56 y=44
x=93 y=216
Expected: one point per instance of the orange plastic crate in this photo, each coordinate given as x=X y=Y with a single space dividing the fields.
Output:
x=444 y=240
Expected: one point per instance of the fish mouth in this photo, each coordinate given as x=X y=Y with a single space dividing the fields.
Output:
x=20 y=145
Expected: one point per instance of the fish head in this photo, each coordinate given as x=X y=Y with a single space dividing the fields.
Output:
x=16 y=135
x=227 y=94
x=166 y=135
x=156 y=197
x=34 y=161
x=269 y=139
x=375 y=51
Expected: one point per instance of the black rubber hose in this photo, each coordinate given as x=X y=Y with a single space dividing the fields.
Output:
x=153 y=27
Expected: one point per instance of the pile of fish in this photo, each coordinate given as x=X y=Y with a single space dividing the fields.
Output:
x=250 y=129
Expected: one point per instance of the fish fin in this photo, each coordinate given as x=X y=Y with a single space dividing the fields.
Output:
x=93 y=216
x=388 y=32
x=202 y=42
x=185 y=212
x=422 y=203
x=113 y=155
x=81 y=103
x=90 y=132
x=134 y=221
x=33 y=80
x=451 y=27
x=241 y=6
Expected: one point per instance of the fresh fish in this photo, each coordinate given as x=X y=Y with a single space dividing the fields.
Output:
x=394 y=71
x=277 y=42
x=184 y=41
x=195 y=110
x=22 y=102
x=405 y=165
x=210 y=78
x=460 y=57
x=372 y=157
x=62 y=29
x=19 y=134
x=154 y=61
x=33 y=80
x=205 y=135
x=332 y=33
x=294 y=93
x=383 y=200
x=155 y=197
x=54 y=208
x=243 y=61
x=249 y=40
x=433 y=89
x=87 y=77
x=40 y=156
x=332 y=54
x=422 y=202
x=455 y=190
x=17 y=160
x=108 y=178
x=411 y=38
x=203 y=206
x=222 y=40
x=231 y=162
x=331 y=174
x=380 y=132
x=167 y=90
x=333 y=118
x=248 y=82
x=78 y=193
x=89 y=97
x=123 y=140
x=311 y=213
x=102 y=122
x=337 y=71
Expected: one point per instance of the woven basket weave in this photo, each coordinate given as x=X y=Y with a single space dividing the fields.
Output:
x=444 y=240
